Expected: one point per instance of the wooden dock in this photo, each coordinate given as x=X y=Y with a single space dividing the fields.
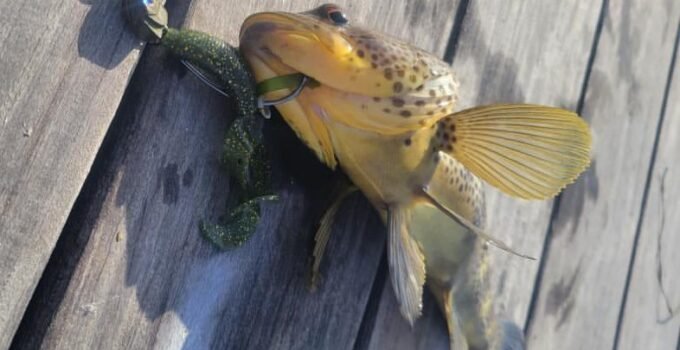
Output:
x=108 y=162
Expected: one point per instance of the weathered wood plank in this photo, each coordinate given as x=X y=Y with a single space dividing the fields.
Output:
x=145 y=278
x=651 y=317
x=63 y=68
x=585 y=271
x=509 y=52
x=523 y=60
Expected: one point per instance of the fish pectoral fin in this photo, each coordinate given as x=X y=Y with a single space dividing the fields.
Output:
x=471 y=226
x=407 y=263
x=526 y=151
x=323 y=233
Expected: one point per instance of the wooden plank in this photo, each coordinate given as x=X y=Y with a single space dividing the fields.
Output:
x=64 y=67
x=584 y=277
x=651 y=315
x=143 y=277
x=523 y=60
x=509 y=52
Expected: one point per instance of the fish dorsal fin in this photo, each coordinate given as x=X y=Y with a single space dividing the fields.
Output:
x=407 y=264
x=526 y=151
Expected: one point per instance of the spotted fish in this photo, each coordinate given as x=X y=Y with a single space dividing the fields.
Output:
x=383 y=111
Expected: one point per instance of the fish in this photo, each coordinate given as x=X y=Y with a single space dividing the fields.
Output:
x=384 y=112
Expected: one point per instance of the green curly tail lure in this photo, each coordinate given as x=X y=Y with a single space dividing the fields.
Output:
x=222 y=67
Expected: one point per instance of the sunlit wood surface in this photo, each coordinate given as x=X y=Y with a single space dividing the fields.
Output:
x=108 y=162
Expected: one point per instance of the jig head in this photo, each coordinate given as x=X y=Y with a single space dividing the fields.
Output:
x=147 y=18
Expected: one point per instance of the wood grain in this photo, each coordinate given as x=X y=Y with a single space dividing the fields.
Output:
x=508 y=52
x=516 y=53
x=651 y=317
x=142 y=277
x=589 y=254
x=64 y=68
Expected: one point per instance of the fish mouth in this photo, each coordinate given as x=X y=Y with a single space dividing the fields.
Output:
x=260 y=26
x=263 y=28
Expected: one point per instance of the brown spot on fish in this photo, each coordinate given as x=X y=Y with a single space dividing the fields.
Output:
x=412 y=78
x=420 y=103
x=360 y=53
x=405 y=113
x=407 y=142
x=397 y=102
x=374 y=66
x=400 y=73
x=387 y=110
x=388 y=73
x=432 y=93
x=398 y=87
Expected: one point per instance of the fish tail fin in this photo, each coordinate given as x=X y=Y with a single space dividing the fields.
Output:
x=445 y=298
x=475 y=307
x=526 y=151
x=512 y=337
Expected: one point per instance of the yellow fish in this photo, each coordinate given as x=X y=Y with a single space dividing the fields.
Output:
x=383 y=111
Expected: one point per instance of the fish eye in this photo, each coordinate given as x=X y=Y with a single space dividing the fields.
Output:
x=334 y=14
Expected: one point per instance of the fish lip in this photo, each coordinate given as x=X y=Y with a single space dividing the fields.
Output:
x=264 y=23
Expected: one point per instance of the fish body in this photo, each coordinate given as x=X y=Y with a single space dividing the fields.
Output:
x=384 y=112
